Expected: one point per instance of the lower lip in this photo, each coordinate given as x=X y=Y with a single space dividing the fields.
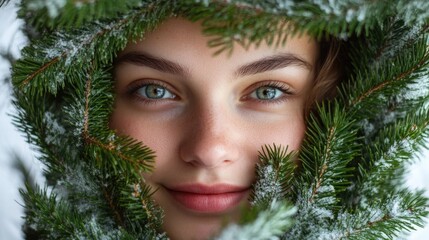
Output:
x=208 y=203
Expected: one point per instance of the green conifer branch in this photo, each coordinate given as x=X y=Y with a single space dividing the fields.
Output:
x=39 y=127
x=390 y=78
x=65 y=51
x=270 y=223
x=228 y=23
x=111 y=201
x=270 y=215
x=318 y=18
x=52 y=218
x=275 y=173
x=413 y=12
x=388 y=39
x=325 y=173
x=140 y=210
x=390 y=151
x=71 y=14
x=90 y=140
x=390 y=62
x=3 y=2
x=386 y=219
x=329 y=169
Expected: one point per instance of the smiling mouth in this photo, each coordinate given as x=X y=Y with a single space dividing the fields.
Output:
x=200 y=198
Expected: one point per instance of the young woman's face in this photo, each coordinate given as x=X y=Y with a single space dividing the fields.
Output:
x=207 y=116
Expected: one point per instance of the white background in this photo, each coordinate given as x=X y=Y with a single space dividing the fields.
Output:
x=13 y=144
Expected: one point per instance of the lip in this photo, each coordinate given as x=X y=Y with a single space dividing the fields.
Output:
x=202 y=198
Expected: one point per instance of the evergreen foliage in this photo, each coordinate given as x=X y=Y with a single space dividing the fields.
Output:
x=348 y=184
x=3 y=2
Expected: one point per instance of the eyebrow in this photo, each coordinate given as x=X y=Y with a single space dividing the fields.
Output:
x=263 y=65
x=272 y=63
x=157 y=63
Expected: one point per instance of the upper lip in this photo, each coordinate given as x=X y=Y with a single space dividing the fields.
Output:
x=198 y=188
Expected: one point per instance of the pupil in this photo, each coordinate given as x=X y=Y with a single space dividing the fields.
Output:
x=267 y=93
x=155 y=91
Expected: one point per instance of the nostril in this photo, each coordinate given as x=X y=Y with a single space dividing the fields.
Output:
x=193 y=163
x=208 y=143
x=207 y=154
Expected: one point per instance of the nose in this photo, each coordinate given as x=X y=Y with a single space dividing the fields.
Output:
x=210 y=138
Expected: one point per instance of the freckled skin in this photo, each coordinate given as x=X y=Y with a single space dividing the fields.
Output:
x=211 y=130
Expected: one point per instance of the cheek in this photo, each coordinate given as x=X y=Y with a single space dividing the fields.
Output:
x=124 y=125
x=288 y=133
x=154 y=137
x=160 y=137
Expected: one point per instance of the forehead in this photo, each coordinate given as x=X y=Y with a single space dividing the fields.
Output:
x=183 y=41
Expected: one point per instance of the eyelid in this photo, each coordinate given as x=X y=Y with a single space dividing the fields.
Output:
x=136 y=85
x=282 y=86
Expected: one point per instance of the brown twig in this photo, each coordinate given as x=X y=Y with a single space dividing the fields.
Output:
x=111 y=202
x=324 y=166
x=397 y=78
x=64 y=54
x=91 y=140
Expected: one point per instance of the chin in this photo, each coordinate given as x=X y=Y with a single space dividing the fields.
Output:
x=184 y=225
x=199 y=230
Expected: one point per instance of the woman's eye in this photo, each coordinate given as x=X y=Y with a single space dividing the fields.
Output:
x=267 y=93
x=154 y=91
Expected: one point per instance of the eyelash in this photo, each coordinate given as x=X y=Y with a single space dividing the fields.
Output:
x=283 y=87
x=134 y=87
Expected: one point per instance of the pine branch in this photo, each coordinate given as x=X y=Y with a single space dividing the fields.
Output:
x=142 y=214
x=52 y=219
x=112 y=206
x=423 y=62
x=388 y=40
x=389 y=63
x=72 y=14
x=330 y=170
x=42 y=132
x=87 y=113
x=307 y=13
x=271 y=222
x=41 y=69
x=137 y=164
x=275 y=174
x=269 y=215
x=388 y=154
x=385 y=219
x=413 y=12
x=63 y=52
x=3 y=2
x=273 y=22
x=327 y=150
